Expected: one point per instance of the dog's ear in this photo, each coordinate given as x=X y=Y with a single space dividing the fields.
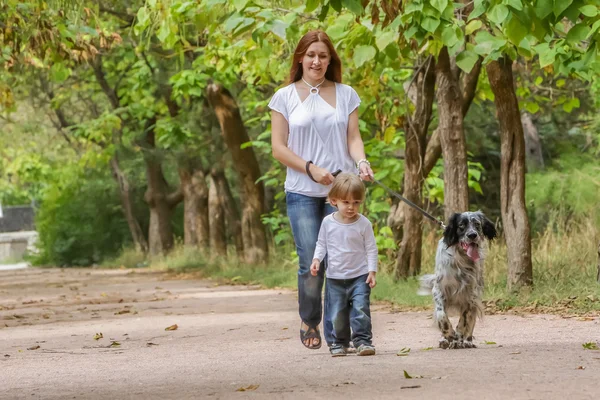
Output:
x=488 y=228
x=451 y=231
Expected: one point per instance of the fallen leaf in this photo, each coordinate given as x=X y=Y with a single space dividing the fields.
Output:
x=171 y=328
x=33 y=347
x=410 y=387
x=247 y=388
x=427 y=349
x=403 y=351
x=122 y=312
x=580 y=367
x=406 y=375
x=158 y=288
x=283 y=329
x=590 y=346
x=486 y=342
x=114 y=344
x=7 y=355
x=515 y=352
x=98 y=336
x=151 y=344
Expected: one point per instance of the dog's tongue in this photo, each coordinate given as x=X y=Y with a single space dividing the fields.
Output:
x=472 y=251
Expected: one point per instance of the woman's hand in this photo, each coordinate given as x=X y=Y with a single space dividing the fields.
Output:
x=321 y=175
x=365 y=171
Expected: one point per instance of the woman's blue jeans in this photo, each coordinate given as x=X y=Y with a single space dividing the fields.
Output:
x=306 y=214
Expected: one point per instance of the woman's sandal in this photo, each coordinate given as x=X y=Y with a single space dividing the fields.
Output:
x=310 y=333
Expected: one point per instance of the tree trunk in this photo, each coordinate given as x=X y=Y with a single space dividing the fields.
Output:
x=160 y=201
x=409 y=255
x=232 y=214
x=195 y=205
x=533 y=143
x=234 y=134
x=218 y=238
x=512 y=175
x=137 y=235
x=449 y=99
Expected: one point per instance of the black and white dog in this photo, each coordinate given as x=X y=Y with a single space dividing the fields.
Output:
x=457 y=284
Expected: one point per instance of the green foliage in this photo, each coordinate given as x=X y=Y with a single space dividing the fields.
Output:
x=80 y=221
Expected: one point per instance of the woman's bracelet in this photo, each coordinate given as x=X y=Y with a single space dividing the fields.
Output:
x=308 y=171
x=364 y=160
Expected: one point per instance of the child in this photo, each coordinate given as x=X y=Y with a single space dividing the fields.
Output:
x=348 y=240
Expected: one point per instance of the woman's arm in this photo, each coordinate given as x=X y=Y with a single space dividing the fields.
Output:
x=356 y=147
x=282 y=153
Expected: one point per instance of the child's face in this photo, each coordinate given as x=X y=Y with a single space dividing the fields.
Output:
x=348 y=208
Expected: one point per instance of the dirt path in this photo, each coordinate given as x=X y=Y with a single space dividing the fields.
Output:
x=233 y=337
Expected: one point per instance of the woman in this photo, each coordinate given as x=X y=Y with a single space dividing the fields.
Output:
x=314 y=123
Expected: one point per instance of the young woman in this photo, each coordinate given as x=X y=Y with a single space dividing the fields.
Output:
x=314 y=123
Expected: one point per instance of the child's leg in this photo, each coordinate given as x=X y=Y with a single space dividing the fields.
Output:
x=360 y=313
x=338 y=310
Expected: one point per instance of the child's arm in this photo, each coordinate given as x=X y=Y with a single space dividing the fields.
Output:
x=372 y=259
x=320 y=250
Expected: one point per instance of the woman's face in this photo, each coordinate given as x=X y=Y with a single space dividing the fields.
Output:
x=315 y=62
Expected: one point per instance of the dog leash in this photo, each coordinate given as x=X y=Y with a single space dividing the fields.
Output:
x=410 y=203
x=404 y=199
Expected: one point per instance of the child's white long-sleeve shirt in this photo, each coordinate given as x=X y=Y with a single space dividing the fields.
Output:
x=350 y=248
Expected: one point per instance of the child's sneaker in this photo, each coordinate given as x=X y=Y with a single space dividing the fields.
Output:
x=365 y=350
x=337 y=351
x=350 y=349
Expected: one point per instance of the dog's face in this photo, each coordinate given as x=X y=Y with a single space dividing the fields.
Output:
x=469 y=229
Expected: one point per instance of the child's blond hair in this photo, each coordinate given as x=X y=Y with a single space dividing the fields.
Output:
x=347 y=187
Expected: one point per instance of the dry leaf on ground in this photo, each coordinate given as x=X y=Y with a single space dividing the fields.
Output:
x=171 y=328
x=33 y=347
x=403 y=351
x=98 y=336
x=247 y=388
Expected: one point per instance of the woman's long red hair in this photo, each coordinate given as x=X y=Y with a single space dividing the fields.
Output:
x=334 y=69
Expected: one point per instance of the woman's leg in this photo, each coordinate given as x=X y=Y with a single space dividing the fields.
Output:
x=305 y=215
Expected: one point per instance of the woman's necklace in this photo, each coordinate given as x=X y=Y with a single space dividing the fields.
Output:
x=313 y=89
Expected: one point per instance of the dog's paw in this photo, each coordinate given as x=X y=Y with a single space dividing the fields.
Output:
x=444 y=343
x=456 y=344
x=468 y=344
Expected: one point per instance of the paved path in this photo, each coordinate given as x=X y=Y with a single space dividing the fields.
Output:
x=231 y=338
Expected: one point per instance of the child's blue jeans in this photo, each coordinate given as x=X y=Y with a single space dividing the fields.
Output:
x=348 y=307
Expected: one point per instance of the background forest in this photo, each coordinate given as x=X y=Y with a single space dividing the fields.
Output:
x=139 y=130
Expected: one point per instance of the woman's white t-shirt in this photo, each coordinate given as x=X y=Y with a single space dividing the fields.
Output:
x=317 y=132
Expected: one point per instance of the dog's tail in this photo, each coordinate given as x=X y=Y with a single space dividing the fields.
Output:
x=426 y=285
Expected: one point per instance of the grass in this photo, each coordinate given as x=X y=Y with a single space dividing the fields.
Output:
x=564 y=265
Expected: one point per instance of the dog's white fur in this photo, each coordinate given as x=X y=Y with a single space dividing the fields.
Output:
x=457 y=284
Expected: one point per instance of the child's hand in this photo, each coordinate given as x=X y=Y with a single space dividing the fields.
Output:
x=314 y=267
x=372 y=280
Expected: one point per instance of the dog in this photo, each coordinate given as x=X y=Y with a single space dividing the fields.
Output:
x=457 y=284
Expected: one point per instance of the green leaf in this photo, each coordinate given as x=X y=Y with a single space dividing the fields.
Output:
x=59 y=73
x=594 y=28
x=486 y=43
x=383 y=39
x=560 y=83
x=532 y=107
x=478 y=10
x=515 y=30
x=560 y=6
x=516 y=4
x=439 y=5
x=406 y=375
x=336 y=5
x=362 y=54
x=449 y=37
x=311 y=5
x=142 y=16
x=486 y=342
x=543 y=8
x=589 y=11
x=164 y=31
x=590 y=346
x=240 y=4
x=547 y=55
x=571 y=104
x=472 y=26
x=466 y=60
x=578 y=33
x=430 y=24
x=498 y=14
x=354 y=6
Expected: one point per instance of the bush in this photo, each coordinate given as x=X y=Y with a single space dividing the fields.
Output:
x=80 y=220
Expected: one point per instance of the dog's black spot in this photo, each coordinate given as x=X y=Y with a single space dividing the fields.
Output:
x=451 y=231
x=446 y=326
x=470 y=339
x=489 y=230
